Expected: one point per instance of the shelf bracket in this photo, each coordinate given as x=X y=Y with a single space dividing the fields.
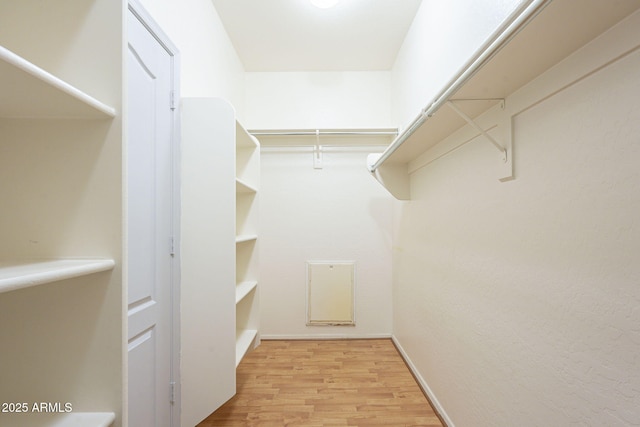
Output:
x=317 y=152
x=477 y=127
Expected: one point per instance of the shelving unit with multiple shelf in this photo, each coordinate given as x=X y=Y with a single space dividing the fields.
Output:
x=219 y=228
x=61 y=309
x=247 y=298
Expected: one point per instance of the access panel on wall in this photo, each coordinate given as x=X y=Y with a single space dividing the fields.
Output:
x=330 y=292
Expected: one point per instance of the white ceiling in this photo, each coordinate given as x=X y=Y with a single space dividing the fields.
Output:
x=293 y=35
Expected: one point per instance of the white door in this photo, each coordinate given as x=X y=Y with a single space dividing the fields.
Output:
x=149 y=232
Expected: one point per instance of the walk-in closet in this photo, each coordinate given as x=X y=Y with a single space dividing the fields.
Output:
x=356 y=211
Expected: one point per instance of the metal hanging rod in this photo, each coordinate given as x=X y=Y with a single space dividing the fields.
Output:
x=510 y=27
x=323 y=147
x=327 y=132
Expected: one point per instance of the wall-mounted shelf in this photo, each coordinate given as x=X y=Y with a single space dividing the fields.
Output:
x=71 y=419
x=244 y=288
x=244 y=338
x=296 y=138
x=535 y=38
x=28 y=91
x=20 y=275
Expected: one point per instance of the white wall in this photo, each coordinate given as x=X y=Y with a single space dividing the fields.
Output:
x=443 y=36
x=335 y=213
x=518 y=302
x=318 y=100
x=209 y=64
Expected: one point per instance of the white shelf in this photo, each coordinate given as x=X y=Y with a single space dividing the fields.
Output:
x=244 y=288
x=244 y=188
x=554 y=33
x=71 y=419
x=244 y=139
x=30 y=92
x=18 y=275
x=244 y=338
x=246 y=238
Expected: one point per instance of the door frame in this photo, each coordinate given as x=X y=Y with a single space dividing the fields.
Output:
x=135 y=7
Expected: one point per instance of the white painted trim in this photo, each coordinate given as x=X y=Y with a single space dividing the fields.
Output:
x=23 y=274
x=423 y=383
x=320 y=337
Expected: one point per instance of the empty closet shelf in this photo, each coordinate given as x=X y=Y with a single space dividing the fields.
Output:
x=243 y=289
x=71 y=419
x=246 y=238
x=18 y=275
x=244 y=338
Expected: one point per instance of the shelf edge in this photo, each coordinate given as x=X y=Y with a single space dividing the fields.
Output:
x=244 y=339
x=42 y=272
x=55 y=82
x=246 y=238
x=244 y=288
x=503 y=34
x=244 y=188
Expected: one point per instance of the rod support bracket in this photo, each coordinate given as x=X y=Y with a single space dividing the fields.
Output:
x=506 y=124
x=477 y=127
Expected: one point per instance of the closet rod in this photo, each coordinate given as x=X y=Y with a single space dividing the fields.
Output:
x=325 y=147
x=320 y=132
x=505 y=32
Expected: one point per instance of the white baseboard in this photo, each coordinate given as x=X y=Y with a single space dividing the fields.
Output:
x=423 y=384
x=266 y=337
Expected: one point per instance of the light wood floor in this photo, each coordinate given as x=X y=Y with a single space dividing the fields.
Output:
x=325 y=383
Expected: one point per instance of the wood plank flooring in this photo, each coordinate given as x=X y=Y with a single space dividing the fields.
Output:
x=325 y=383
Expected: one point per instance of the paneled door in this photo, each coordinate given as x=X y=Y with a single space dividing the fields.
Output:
x=148 y=213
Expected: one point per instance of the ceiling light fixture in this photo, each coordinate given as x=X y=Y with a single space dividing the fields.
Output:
x=324 y=4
